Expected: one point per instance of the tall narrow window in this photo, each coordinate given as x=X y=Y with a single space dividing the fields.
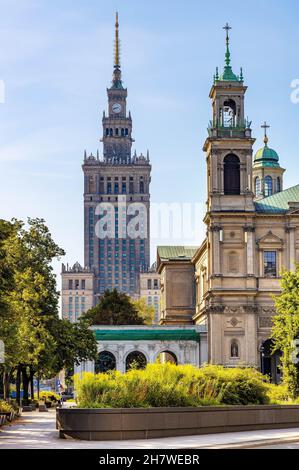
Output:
x=278 y=184
x=231 y=174
x=270 y=264
x=268 y=186
x=229 y=113
x=257 y=186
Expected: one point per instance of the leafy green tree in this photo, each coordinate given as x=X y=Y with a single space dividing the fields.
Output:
x=147 y=312
x=8 y=321
x=114 y=308
x=286 y=328
x=38 y=341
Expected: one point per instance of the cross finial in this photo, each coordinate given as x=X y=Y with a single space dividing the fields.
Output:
x=227 y=54
x=265 y=126
x=227 y=28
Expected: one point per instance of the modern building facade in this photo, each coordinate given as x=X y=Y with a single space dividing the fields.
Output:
x=252 y=223
x=117 y=198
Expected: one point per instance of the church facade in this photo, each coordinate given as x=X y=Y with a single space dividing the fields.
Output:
x=252 y=224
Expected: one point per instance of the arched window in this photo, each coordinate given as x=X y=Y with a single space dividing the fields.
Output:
x=231 y=174
x=111 y=132
x=167 y=356
x=105 y=361
x=122 y=132
x=116 y=131
x=257 y=186
x=268 y=186
x=234 y=349
x=278 y=184
x=136 y=360
x=107 y=131
x=229 y=113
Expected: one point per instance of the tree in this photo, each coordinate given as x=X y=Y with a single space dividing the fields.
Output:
x=36 y=340
x=147 y=312
x=8 y=320
x=75 y=343
x=286 y=328
x=114 y=308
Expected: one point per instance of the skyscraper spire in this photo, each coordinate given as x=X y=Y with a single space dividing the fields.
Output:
x=116 y=45
x=116 y=82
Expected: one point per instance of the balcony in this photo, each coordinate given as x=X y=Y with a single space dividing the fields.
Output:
x=238 y=131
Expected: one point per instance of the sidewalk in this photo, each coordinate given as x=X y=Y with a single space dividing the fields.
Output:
x=37 y=431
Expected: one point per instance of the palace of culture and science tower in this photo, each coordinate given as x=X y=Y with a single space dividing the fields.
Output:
x=116 y=210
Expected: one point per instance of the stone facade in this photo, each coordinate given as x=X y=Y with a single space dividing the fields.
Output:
x=143 y=339
x=250 y=239
x=77 y=291
x=117 y=199
x=150 y=290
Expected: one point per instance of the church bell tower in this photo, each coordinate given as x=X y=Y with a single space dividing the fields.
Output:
x=229 y=143
x=231 y=284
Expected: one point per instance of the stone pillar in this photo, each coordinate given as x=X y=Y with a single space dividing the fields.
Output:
x=216 y=268
x=215 y=332
x=214 y=169
x=250 y=338
x=249 y=234
x=120 y=359
x=292 y=250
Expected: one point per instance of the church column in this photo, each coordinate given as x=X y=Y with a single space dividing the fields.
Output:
x=291 y=248
x=215 y=180
x=216 y=269
x=249 y=240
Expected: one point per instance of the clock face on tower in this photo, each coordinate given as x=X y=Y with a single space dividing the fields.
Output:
x=116 y=108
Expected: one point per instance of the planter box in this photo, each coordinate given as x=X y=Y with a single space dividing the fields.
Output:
x=145 y=423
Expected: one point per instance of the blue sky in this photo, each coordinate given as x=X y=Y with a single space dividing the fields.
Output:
x=56 y=62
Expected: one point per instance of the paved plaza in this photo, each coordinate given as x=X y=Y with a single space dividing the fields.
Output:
x=37 y=431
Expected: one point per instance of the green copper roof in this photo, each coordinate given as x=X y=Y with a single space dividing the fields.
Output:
x=168 y=253
x=278 y=203
x=228 y=74
x=146 y=335
x=266 y=157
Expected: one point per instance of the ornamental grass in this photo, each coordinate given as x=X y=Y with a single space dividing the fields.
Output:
x=169 y=385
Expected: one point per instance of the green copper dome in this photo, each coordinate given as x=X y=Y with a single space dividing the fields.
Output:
x=266 y=157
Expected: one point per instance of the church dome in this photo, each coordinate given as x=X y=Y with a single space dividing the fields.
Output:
x=266 y=157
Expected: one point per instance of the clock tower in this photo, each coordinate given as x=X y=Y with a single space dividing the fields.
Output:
x=117 y=198
x=117 y=126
